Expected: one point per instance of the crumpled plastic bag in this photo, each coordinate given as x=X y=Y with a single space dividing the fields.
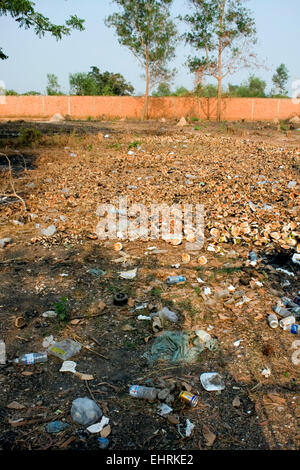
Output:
x=173 y=346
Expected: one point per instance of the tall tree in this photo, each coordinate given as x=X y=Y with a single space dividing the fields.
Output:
x=280 y=79
x=23 y=11
x=145 y=27
x=222 y=30
x=53 y=87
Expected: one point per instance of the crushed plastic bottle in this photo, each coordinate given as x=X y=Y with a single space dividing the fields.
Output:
x=175 y=279
x=2 y=353
x=281 y=311
x=32 y=358
x=147 y=393
x=85 y=411
x=167 y=314
x=253 y=258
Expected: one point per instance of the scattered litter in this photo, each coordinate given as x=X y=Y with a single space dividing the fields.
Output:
x=207 y=291
x=2 y=352
x=32 y=358
x=212 y=381
x=120 y=299
x=147 y=393
x=85 y=411
x=103 y=442
x=98 y=427
x=296 y=258
x=64 y=349
x=174 y=346
x=49 y=314
x=189 y=428
x=166 y=314
x=143 y=317
x=266 y=372
x=56 y=426
x=96 y=272
x=189 y=398
x=285 y=272
x=237 y=343
x=48 y=340
x=175 y=279
x=164 y=410
x=128 y=274
x=49 y=231
x=4 y=242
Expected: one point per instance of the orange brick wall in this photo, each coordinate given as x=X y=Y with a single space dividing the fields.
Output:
x=250 y=109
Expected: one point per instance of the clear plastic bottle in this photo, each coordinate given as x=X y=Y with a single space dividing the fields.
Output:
x=281 y=311
x=175 y=279
x=295 y=329
x=253 y=258
x=273 y=320
x=138 y=391
x=2 y=352
x=32 y=358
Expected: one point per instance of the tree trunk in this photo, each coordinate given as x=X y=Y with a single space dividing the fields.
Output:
x=145 y=113
x=219 y=84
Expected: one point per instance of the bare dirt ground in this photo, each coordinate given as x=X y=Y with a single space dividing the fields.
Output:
x=62 y=176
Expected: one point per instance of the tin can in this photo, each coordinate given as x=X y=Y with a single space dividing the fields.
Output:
x=189 y=398
x=285 y=322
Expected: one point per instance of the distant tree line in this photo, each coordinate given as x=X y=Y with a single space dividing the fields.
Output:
x=221 y=32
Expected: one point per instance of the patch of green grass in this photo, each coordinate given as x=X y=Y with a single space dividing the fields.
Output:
x=229 y=269
x=197 y=128
x=90 y=147
x=114 y=145
x=61 y=308
x=156 y=292
x=129 y=344
x=134 y=144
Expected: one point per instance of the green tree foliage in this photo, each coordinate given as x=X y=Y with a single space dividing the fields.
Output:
x=221 y=30
x=11 y=93
x=280 y=79
x=145 y=27
x=163 y=89
x=207 y=91
x=95 y=83
x=23 y=11
x=254 y=88
x=53 y=87
x=31 y=93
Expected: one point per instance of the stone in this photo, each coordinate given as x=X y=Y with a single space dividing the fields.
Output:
x=4 y=242
x=182 y=122
x=295 y=122
x=57 y=118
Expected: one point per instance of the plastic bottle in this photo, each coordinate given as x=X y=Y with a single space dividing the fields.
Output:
x=2 y=352
x=287 y=321
x=138 y=391
x=281 y=311
x=32 y=358
x=295 y=329
x=273 y=320
x=296 y=300
x=175 y=279
x=253 y=258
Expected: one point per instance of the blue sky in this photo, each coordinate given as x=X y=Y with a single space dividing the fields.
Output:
x=31 y=58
